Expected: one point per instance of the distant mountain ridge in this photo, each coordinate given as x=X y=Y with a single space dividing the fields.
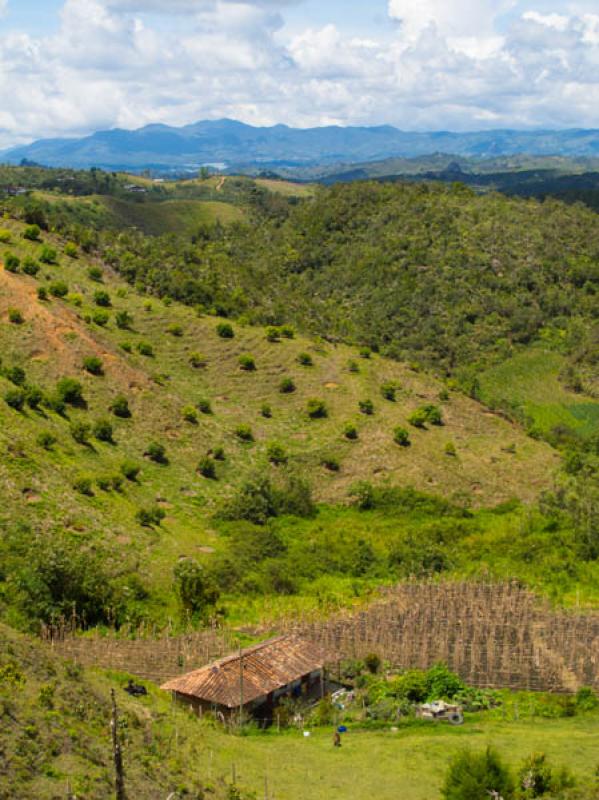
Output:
x=236 y=144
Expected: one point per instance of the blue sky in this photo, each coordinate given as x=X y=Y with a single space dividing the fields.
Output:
x=68 y=67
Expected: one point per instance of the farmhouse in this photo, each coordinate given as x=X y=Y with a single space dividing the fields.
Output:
x=256 y=678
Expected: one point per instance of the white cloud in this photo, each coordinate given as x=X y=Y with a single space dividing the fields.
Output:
x=441 y=64
x=3 y=7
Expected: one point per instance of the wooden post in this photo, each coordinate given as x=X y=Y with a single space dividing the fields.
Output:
x=119 y=779
x=240 y=690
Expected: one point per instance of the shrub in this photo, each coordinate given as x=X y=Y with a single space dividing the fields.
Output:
x=443 y=395
x=101 y=318
x=103 y=431
x=316 y=409
x=353 y=366
x=196 y=592
x=46 y=440
x=30 y=267
x=80 y=432
x=273 y=334
x=11 y=262
x=58 y=289
x=244 y=433
x=16 y=375
x=266 y=410
x=32 y=233
x=418 y=418
x=442 y=683
x=34 y=396
x=156 y=452
x=207 y=468
x=472 y=776
x=117 y=483
x=450 y=449
x=225 y=330
x=126 y=346
x=276 y=453
x=130 y=470
x=48 y=255
x=204 y=406
x=433 y=414
x=70 y=392
x=373 y=663
x=104 y=483
x=366 y=407
x=330 y=463
x=15 y=398
x=71 y=250
x=197 y=360
x=287 y=386
x=247 y=363
x=401 y=437
x=95 y=274
x=150 y=517
x=305 y=359
x=350 y=431
x=15 y=316
x=365 y=352
x=145 y=349
x=55 y=403
x=5 y=236
x=123 y=320
x=586 y=699
x=93 y=365
x=175 y=330
x=389 y=391
x=83 y=485
x=42 y=293
x=219 y=454
x=120 y=407
x=75 y=299
x=190 y=415
x=287 y=332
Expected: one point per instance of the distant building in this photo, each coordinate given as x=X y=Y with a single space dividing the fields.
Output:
x=256 y=678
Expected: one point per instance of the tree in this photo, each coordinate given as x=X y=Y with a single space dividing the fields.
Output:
x=70 y=392
x=401 y=437
x=225 y=330
x=93 y=365
x=120 y=407
x=103 y=431
x=207 y=468
x=247 y=363
x=366 y=407
x=123 y=320
x=475 y=776
x=317 y=409
x=156 y=452
x=102 y=298
x=196 y=592
x=15 y=398
x=287 y=386
x=32 y=233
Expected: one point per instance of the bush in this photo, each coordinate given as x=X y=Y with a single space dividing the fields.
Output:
x=305 y=359
x=411 y=685
x=331 y=463
x=273 y=334
x=15 y=375
x=317 y=409
x=30 y=267
x=207 y=468
x=287 y=332
x=83 y=485
x=450 y=449
x=190 y=415
x=401 y=437
x=93 y=365
x=46 y=440
x=156 y=452
x=276 y=453
x=442 y=683
x=58 y=289
x=266 y=410
x=103 y=431
x=150 y=517
x=247 y=363
x=100 y=318
x=34 y=397
x=219 y=454
x=42 y=293
x=196 y=592
x=433 y=414
x=120 y=407
x=11 y=262
x=71 y=250
x=5 y=236
x=473 y=776
x=95 y=274
x=123 y=320
x=287 y=386
x=350 y=431
x=353 y=366
x=130 y=470
x=15 y=398
x=373 y=663
x=197 y=360
x=32 y=233
x=244 y=433
x=127 y=347
x=102 y=298
x=70 y=392
x=418 y=418
x=225 y=330
x=80 y=432
x=389 y=391
x=204 y=406
x=48 y=255
x=145 y=349
x=366 y=407
x=586 y=699
x=365 y=352
x=15 y=316
x=175 y=330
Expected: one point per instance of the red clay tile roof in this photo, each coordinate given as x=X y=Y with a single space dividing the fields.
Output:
x=266 y=667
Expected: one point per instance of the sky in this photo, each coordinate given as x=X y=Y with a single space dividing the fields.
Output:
x=70 y=67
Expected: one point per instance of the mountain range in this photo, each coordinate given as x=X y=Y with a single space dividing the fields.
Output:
x=232 y=144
